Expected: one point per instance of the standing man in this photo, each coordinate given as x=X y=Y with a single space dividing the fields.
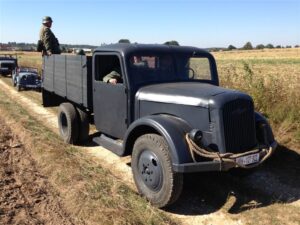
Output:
x=48 y=41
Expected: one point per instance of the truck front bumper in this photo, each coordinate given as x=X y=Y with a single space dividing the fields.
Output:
x=217 y=165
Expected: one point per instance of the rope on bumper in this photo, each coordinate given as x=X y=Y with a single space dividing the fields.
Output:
x=228 y=158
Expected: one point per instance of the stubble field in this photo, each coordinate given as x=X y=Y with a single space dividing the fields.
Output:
x=272 y=78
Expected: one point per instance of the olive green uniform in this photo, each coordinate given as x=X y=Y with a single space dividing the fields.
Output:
x=49 y=40
x=113 y=75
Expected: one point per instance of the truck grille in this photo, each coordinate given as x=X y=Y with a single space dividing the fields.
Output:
x=239 y=125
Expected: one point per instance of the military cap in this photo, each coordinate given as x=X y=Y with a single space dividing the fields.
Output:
x=47 y=19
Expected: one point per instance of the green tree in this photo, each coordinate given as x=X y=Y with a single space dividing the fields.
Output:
x=261 y=46
x=231 y=47
x=171 y=43
x=80 y=52
x=248 y=46
x=63 y=49
x=124 y=41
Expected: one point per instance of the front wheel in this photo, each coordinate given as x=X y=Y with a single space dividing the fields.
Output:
x=152 y=171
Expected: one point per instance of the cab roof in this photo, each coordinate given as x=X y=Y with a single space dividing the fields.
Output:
x=125 y=48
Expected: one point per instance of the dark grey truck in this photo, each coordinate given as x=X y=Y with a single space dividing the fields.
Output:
x=167 y=112
x=8 y=64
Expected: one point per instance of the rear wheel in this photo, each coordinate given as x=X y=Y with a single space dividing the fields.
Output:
x=152 y=171
x=68 y=123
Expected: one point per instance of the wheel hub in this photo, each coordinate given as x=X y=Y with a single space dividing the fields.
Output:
x=150 y=170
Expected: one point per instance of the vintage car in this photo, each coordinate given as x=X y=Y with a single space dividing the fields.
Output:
x=26 y=78
x=7 y=64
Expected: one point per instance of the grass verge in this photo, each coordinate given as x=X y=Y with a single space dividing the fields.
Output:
x=90 y=194
x=275 y=92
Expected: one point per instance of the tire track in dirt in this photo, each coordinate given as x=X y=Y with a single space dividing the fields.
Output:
x=25 y=195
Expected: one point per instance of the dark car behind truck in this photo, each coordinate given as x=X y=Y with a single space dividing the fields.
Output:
x=8 y=64
x=168 y=113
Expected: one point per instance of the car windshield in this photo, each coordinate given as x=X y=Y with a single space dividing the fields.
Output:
x=166 y=67
x=26 y=69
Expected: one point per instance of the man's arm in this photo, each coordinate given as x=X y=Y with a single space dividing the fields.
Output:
x=112 y=76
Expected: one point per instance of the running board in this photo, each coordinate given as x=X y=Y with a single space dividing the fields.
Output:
x=109 y=143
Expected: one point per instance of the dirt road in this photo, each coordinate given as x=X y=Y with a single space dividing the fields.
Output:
x=211 y=198
x=25 y=195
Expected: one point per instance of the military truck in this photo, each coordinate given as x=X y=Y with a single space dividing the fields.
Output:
x=167 y=112
x=8 y=64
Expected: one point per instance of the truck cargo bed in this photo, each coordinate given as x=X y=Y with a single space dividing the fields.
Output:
x=70 y=77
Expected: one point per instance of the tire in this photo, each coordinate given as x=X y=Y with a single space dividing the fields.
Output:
x=68 y=123
x=152 y=171
x=84 y=125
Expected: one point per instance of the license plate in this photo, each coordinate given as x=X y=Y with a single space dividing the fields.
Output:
x=248 y=159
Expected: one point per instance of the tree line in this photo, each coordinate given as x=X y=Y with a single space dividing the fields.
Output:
x=66 y=47
x=249 y=46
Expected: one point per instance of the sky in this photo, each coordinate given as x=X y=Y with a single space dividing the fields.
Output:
x=200 y=23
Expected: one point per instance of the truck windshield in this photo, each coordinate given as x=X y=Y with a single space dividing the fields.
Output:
x=159 y=68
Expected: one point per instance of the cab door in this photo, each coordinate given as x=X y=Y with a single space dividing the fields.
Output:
x=109 y=100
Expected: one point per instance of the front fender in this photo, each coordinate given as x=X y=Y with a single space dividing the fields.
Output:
x=264 y=131
x=173 y=129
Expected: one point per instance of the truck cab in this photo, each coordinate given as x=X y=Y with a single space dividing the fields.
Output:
x=167 y=111
x=157 y=65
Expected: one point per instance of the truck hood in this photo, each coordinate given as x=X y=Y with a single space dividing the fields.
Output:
x=183 y=93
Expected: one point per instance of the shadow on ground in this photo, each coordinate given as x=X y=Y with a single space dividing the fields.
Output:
x=90 y=142
x=277 y=181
